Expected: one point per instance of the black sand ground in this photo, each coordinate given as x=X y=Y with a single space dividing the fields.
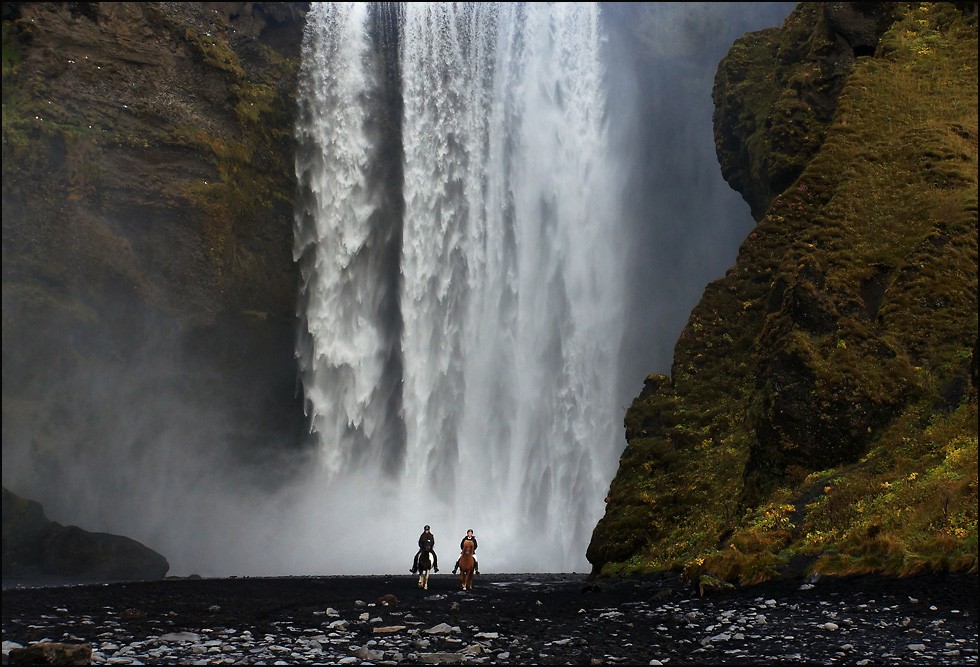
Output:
x=664 y=619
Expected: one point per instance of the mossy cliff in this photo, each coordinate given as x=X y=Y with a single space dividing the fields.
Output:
x=822 y=404
x=148 y=181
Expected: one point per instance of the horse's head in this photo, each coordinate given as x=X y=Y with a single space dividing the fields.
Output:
x=468 y=548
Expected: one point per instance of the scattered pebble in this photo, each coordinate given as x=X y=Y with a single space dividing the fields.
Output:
x=508 y=624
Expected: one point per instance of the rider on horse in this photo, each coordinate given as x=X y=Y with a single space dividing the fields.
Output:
x=426 y=542
x=462 y=543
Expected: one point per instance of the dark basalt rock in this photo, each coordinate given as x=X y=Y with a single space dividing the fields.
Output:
x=34 y=547
x=859 y=24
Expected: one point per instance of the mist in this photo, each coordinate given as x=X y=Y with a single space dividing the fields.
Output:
x=160 y=457
x=684 y=221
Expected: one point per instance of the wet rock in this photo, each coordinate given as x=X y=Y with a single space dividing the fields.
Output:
x=388 y=629
x=280 y=621
x=51 y=653
x=441 y=658
x=441 y=629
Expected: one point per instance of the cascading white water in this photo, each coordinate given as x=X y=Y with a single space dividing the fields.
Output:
x=343 y=287
x=509 y=287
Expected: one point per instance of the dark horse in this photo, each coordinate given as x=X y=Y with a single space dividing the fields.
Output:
x=466 y=566
x=425 y=564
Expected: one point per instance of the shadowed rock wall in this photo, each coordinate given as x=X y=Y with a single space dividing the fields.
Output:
x=148 y=182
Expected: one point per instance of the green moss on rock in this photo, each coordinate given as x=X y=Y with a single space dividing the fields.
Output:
x=832 y=370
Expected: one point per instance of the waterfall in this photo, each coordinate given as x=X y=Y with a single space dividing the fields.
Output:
x=458 y=236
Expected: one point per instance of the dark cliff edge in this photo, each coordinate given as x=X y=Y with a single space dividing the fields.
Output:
x=38 y=550
x=821 y=412
x=148 y=186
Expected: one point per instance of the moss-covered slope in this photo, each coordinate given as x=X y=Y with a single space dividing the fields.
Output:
x=148 y=181
x=823 y=396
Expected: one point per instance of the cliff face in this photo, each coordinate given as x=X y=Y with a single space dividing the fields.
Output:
x=822 y=401
x=38 y=549
x=148 y=182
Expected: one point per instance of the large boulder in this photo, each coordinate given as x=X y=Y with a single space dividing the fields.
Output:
x=52 y=653
x=34 y=547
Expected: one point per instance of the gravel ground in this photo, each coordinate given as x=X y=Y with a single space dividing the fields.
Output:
x=505 y=619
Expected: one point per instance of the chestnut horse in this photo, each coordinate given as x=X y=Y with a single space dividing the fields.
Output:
x=466 y=567
x=425 y=564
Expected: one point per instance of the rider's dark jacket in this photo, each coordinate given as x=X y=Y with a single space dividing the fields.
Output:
x=427 y=540
x=462 y=543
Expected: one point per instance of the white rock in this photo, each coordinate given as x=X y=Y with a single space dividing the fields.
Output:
x=180 y=637
x=365 y=653
x=441 y=629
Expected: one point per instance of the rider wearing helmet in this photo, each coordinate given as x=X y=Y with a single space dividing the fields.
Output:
x=469 y=538
x=426 y=541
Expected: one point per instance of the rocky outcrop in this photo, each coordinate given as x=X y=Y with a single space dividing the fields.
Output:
x=776 y=92
x=36 y=548
x=821 y=396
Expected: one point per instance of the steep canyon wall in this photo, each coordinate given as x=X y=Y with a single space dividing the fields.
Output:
x=821 y=407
